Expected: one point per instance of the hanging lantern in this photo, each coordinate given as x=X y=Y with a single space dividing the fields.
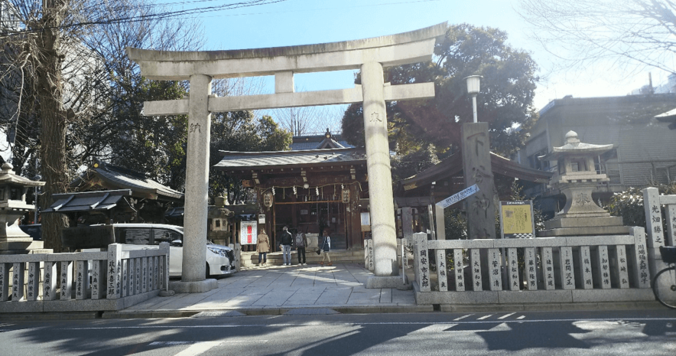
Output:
x=295 y=192
x=317 y=191
x=346 y=196
x=268 y=198
x=273 y=190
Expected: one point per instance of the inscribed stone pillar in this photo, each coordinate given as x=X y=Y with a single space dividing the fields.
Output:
x=197 y=180
x=378 y=166
x=476 y=161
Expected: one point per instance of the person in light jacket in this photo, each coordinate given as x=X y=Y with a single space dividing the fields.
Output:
x=325 y=248
x=263 y=247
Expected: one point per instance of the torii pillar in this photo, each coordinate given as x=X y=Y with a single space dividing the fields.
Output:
x=369 y=55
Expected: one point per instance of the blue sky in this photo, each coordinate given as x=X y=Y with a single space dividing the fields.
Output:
x=295 y=22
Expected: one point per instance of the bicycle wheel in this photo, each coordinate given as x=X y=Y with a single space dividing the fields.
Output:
x=664 y=287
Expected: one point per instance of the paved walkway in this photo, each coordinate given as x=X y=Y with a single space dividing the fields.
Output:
x=278 y=289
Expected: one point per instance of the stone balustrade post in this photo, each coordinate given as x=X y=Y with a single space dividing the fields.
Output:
x=114 y=271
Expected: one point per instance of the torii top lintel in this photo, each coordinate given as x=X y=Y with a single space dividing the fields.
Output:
x=392 y=50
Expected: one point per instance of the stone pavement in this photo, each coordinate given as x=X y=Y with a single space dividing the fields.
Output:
x=280 y=289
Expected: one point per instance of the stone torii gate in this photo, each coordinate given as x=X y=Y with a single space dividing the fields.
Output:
x=370 y=55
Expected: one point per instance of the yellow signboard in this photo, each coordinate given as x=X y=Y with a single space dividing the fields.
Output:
x=516 y=219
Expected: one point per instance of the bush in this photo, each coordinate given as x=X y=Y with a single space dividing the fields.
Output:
x=629 y=204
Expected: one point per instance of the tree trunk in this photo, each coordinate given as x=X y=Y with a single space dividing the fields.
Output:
x=53 y=120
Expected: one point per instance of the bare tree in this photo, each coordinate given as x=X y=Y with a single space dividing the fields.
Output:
x=310 y=119
x=627 y=34
x=52 y=77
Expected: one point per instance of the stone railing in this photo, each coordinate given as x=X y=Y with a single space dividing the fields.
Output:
x=87 y=281
x=540 y=270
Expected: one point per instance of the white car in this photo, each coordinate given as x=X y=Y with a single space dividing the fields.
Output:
x=220 y=259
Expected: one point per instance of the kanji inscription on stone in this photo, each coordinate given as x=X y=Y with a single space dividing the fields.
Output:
x=442 y=269
x=622 y=269
x=494 y=267
x=586 y=268
x=603 y=267
x=548 y=268
x=567 y=272
x=530 y=265
x=513 y=265
x=477 y=167
x=475 y=260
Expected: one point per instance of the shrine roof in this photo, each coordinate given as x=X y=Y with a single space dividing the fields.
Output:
x=233 y=160
x=668 y=117
x=312 y=142
x=121 y=178
x=452 y=166
x=87 y=201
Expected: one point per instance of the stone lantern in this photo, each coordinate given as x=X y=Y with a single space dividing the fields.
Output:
x=13 y=205
x=576 y=178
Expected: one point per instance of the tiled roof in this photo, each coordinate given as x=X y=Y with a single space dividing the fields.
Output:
x=87 y=201
x=453 y=165
x=122 y=178
x=277 y=159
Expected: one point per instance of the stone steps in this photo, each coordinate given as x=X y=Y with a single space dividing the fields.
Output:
x=250 y=259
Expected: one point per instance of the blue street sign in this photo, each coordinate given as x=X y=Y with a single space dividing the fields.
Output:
x=467 y=192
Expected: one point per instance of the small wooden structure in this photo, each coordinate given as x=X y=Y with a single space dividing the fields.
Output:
x=446 y=178
x=307 y=190
x=148 y=200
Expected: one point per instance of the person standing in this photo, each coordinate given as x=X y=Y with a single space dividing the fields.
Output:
x=300 y=243
x=285 y=242
x=263 y=247
x=325 y=248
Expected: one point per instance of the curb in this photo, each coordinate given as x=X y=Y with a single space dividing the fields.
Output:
x=386 y=309
x=366 y=309
x=50 y=316
x=321 y=310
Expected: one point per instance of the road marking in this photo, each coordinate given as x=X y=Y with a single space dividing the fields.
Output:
x=199 y=348
x=372 y=323
x=462 y=317
x=506 y=316
x=230 y=342
x=521 y=317
x=485 y=317
x=434 y=328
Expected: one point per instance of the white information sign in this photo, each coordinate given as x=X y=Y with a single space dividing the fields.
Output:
x=249 y=233
x=461 y=195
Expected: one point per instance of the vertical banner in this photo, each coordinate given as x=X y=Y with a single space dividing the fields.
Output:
x=516 y=219
x=249 y=233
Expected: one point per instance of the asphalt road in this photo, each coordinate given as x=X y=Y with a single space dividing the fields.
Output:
x=633 y=333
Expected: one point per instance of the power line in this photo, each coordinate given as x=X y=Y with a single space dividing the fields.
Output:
x=154 y=16
x=208 y=9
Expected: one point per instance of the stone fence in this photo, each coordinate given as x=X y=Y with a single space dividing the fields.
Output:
x=88 y=281
x=540 y=270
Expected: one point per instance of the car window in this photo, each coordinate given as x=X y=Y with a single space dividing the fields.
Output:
x=165 y=235
x=136 y=236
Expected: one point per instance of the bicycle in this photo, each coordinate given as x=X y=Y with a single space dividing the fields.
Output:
x=664 y=283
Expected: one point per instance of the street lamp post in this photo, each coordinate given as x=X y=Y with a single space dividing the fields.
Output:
x=473 y=87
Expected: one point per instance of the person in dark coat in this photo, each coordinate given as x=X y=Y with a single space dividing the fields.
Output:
x=300 y=243
x=285 y=242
